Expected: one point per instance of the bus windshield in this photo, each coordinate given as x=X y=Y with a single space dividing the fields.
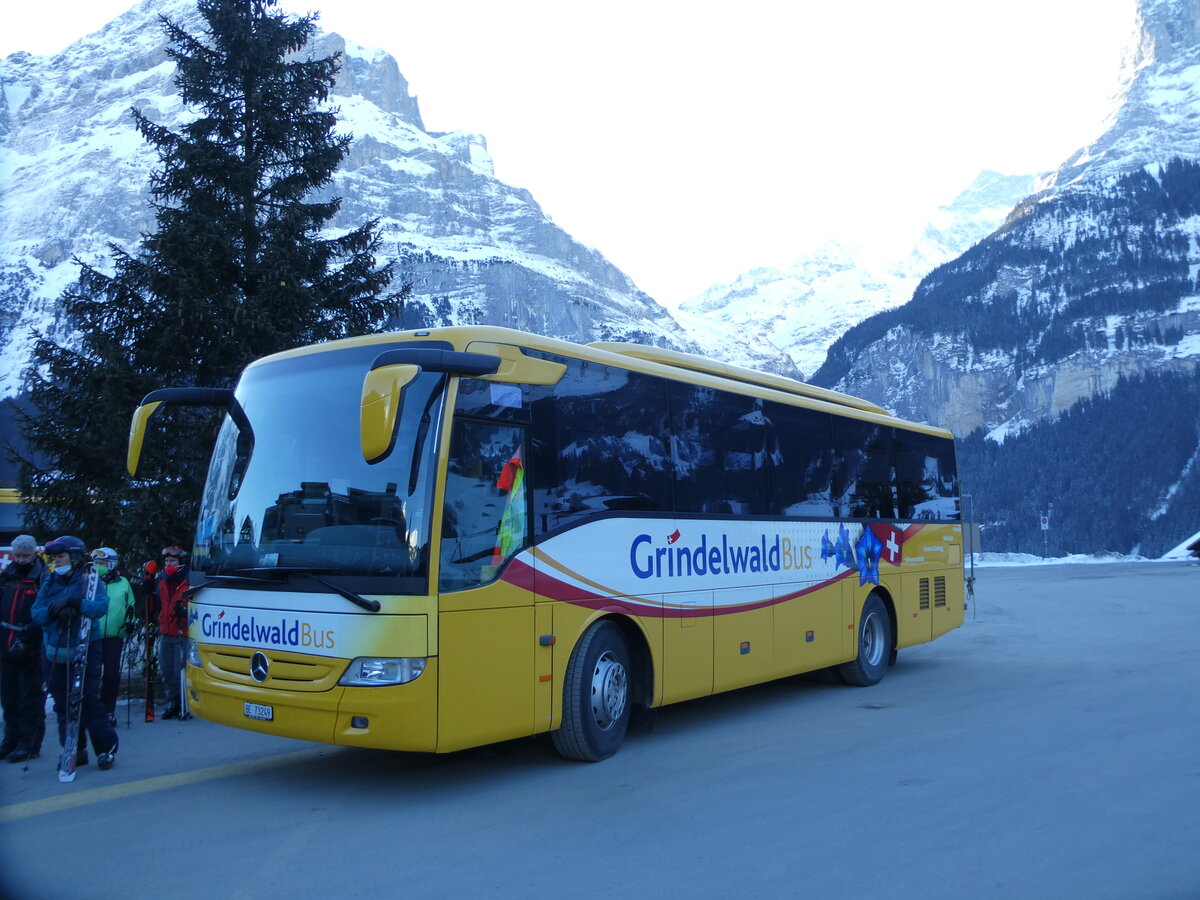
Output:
x=302 y=497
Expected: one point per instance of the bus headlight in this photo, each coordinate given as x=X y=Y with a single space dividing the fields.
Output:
x=369 y=671
x=193 y=653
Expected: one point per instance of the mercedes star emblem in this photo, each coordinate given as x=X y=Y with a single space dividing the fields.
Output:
x=259 y=667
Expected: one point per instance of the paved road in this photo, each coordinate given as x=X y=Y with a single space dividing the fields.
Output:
x=1049 y=748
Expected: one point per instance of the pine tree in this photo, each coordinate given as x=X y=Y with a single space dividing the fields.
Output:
x=236 y=269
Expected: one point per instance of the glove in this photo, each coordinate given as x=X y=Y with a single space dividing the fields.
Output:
x=131 y=624
x=63 y=607
x=180 y=610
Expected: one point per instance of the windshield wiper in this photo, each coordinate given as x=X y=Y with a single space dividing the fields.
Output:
x=358 y=600
x=207 y=578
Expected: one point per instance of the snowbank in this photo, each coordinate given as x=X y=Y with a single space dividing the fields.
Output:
x=1028 y=559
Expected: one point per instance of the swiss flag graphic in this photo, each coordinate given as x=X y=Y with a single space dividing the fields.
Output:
x=890 y=538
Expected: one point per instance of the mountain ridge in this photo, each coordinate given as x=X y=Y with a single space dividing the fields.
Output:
x=74 y=178
x=803 y=308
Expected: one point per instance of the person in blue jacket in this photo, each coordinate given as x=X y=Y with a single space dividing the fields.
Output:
x=60 y=603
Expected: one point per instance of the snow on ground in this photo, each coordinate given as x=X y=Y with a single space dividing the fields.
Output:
x=1029 y=559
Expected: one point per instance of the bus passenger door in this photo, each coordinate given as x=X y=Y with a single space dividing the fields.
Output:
x=488 y=664
x=687 y=645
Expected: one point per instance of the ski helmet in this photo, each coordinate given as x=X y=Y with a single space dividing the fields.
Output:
x=176 y=551
x=68 y=544
x=106 y=556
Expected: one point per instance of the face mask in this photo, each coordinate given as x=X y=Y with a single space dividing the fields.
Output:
x=171 y=569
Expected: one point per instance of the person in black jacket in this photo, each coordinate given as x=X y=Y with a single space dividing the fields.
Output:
x=22 y=693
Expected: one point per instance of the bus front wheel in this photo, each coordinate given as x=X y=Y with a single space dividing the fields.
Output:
x=595 y=696
x=874 y=645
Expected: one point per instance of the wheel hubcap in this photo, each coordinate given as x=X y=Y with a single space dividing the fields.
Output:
x=610 y=690
x=874 y=636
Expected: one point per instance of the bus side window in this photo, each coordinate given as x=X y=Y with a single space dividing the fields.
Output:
x=720 y=447
x=485 y=520
x=599 y=442
x=926 y=478
x=863 y=471
x=801 y=468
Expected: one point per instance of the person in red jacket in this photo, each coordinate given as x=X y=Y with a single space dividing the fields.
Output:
x=172 y=624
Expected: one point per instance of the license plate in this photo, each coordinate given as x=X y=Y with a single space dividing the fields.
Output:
x=259 y=711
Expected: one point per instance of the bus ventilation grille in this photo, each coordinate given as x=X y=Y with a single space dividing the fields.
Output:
x=939 y=591
x=924 y=587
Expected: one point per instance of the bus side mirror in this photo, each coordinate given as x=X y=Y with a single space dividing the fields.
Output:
x=217 y=398
x=137 y=433
x=382 y=391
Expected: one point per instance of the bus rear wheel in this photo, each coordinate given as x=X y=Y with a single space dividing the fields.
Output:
x=596 y=702
x=875 y=642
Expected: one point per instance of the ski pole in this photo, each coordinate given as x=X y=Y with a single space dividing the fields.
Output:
x=184 y=715
x=128 y=657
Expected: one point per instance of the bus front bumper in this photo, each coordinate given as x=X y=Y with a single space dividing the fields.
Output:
x=395 y=717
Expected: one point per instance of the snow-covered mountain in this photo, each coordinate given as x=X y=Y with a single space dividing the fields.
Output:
x=1155 y=113
x=74 y=173
x=1071 y=335
x=1092 y=278
x=804 y=308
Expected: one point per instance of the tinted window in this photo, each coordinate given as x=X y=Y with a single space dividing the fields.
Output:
x=492 y=400
x=802 y=463
x=598 y=443
x=721 y=448
x=863 y=470
x=926 y=477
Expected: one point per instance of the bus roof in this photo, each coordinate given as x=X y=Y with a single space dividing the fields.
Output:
x=694 y=363
x=687 y=365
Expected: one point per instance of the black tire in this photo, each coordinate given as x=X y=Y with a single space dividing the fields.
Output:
x=596 y=698
x=875 y=645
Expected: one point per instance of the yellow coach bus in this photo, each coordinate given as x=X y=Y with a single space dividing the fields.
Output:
x=12 y=514
x=439 y=539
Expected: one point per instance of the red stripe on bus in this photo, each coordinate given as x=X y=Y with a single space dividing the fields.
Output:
x=520 y=574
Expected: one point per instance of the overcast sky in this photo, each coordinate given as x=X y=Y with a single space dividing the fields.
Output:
x=690 y=142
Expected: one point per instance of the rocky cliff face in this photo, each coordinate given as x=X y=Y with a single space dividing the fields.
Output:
x=74 y=172
x=1091 y=278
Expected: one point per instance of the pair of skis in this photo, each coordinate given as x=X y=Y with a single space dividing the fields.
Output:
x=151 y=667
x=184 y=713
x=151 y=681
x=76 y=675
